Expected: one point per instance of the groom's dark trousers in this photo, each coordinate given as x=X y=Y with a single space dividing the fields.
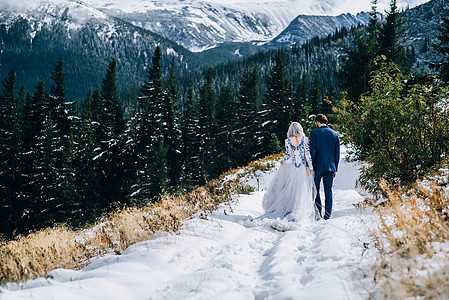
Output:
x=325 y=151
x=328 y=179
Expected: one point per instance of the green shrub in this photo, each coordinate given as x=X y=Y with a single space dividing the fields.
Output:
x=401 y=130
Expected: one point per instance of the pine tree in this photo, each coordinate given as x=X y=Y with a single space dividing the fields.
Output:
x=315 y=95
x=58 y=106
x=246 y=123
x=356 y=69
x=301 y=108
x=154 y=95
x=227 y=152
x=373 y=30
x=171 y=123
x=85 y=166
x=28 y=133
x=158 y=171
x=48 y=207
x=109 y=140
x=130 y=149
x=193 y=168
x=443 y=48
x=207 y=99
x=10 y=152
x=276 y=108
x=59 y=112
x=95 y=107
x=150 y=148
x=390 y=38
x=42 y=207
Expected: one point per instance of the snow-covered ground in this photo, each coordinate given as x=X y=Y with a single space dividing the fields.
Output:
x=219 y=258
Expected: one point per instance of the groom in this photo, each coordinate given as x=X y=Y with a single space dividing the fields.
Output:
x=325 y=151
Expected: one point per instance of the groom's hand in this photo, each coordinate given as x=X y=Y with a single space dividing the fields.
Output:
x=335 y=174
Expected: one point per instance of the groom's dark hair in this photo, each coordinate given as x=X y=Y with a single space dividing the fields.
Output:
x=321 y=118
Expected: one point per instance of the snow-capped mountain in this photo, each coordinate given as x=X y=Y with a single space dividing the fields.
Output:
x=305 y=27
x=34 y=35
x=74 y=14
x=199 y=25
x=203 y=24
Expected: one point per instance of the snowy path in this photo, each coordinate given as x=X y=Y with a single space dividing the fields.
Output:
x=219 y=258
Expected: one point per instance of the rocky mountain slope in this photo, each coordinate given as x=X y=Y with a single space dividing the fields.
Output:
x=305 y=27
x=200 y=25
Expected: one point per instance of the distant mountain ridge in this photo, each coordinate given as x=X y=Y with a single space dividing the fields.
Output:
x=305 y=27
x=200 y=25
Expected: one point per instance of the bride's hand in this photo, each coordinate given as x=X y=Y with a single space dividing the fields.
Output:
x=309 y=171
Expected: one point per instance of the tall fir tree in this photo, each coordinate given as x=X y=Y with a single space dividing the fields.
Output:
x=207 y=100
x=21 y=101
x=10 y=153
x=356 y=69
x=228 y=154
x=150 y=148
x=42 y=205
x=315 y=95
x=29 y=129
x=373 y=30
x=86 y=169
x=109 y=140
x=301 y=108
x=171 y=126
x=443 y=48
x=153 y=95
x=246 y=126
x=60 y=114
x=159 y=171
x=277 y=104
x=130 y=147
x=390 y=38
x=193 y=172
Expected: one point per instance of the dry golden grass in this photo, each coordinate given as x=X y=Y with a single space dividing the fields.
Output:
x=38 y=253
x=413 y=241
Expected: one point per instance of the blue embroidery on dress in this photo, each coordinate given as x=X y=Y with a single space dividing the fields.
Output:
x=298 y=155
x=286 y=214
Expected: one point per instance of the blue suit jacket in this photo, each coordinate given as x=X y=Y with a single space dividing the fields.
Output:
x=325 y=149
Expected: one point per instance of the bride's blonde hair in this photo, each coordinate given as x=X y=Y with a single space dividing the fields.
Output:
x=295 y=129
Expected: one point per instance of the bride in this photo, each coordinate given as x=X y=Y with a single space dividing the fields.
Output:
x=292 y=191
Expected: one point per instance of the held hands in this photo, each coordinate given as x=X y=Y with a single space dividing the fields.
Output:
x=309 y=171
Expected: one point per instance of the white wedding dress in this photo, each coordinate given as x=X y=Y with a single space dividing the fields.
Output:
x=292 y=192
